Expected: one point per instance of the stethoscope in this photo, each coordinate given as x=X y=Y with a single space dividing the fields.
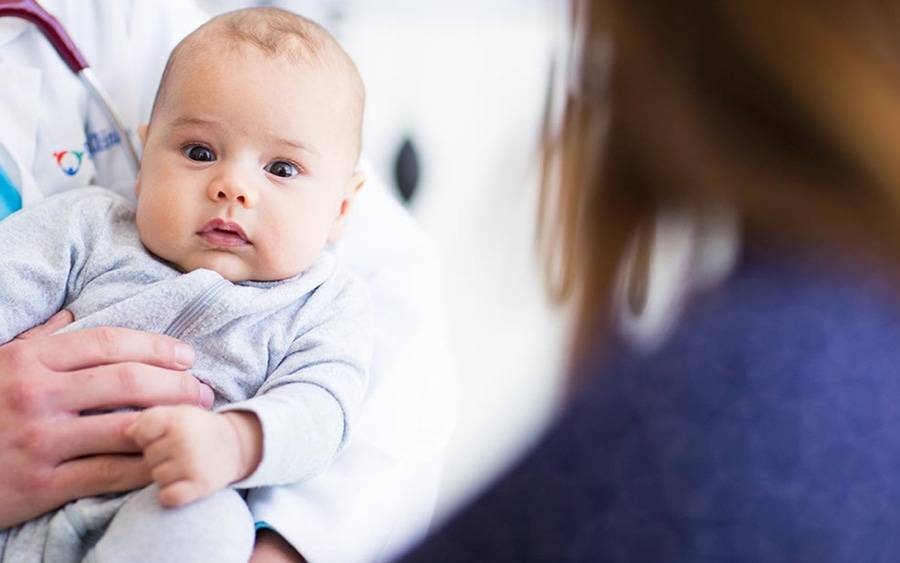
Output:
x=50 y=27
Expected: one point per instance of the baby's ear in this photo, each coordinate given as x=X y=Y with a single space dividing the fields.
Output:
x=356 y=182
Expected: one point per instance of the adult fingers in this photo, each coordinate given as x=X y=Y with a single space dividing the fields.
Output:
x=53 y=324
x=95 y=434
x=130 y=385
x=97 y=475
x=112 y=345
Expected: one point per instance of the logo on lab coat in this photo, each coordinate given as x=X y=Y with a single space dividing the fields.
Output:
x=99 y=141
x=69 y=161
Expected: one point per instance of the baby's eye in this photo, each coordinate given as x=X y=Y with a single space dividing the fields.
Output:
x=199 y=153
x=282 y=169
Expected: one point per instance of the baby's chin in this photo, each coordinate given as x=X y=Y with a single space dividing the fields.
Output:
x=227 y=265
x=231 y=267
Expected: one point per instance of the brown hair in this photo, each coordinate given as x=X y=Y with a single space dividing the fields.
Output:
x=787 y=110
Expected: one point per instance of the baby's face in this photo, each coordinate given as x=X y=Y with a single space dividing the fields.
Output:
x=247 y=167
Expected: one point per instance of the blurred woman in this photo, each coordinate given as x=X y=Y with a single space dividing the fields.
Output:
x=760 y=419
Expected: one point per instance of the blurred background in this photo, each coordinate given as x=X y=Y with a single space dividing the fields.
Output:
x=455 y=98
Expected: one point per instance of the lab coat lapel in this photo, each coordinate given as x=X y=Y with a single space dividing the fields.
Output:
x=19 y=110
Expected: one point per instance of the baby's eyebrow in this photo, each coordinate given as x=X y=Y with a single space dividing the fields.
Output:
x=186 y=120
x=296 y=144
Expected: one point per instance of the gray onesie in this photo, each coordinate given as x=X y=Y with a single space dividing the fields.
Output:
x=294 y=352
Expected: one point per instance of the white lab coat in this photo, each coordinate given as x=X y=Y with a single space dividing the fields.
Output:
x=380 y=494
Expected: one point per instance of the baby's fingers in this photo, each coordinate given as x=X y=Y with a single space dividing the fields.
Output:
x=151 y=425
x=166 y=474
x=180 y=493
x=159 y=452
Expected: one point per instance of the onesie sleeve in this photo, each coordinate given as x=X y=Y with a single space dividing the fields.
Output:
x=42 y=250
x=307 y=404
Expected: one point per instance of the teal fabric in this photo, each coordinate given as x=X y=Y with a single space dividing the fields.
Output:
x=10 y=200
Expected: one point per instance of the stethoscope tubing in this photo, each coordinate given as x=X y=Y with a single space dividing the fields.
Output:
x=56 y=34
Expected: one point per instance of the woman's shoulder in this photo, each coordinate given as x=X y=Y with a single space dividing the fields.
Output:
x=764 y=429
x=820 y=317
x=768 y=421
x=782 y=332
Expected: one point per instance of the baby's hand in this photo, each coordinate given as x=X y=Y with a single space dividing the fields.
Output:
x=193 y=453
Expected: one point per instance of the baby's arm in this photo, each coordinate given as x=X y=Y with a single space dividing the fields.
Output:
x=293 y=427
x=193 y=453
x=42 y=250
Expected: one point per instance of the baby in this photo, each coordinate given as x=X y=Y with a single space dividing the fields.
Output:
x=248 y=173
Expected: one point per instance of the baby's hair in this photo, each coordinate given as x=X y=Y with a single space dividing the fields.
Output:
x=276 y=33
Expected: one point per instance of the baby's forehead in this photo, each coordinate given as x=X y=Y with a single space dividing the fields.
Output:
x=339 y=77
x=278 y=35
x=299 y=43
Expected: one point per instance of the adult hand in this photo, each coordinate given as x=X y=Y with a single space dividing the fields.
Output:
x=49 y=455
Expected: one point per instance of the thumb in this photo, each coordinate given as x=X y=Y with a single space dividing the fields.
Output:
x=53 y=324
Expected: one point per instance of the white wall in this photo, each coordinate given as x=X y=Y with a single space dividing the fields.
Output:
x=467 y=81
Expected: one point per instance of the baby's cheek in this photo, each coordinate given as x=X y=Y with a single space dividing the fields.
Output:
x=160 y=236
x=293 y=253
x=287 y=259
x=296 y=230
x=149 y=228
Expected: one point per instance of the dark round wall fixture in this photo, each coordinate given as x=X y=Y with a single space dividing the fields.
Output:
x=406 y=170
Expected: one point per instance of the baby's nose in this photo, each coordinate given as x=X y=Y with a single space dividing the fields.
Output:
x=241 y=198
x=233 y=193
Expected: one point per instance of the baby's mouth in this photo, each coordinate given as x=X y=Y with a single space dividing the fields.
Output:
x=220 y=232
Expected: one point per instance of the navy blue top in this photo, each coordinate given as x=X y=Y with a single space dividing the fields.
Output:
x=767 y=428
